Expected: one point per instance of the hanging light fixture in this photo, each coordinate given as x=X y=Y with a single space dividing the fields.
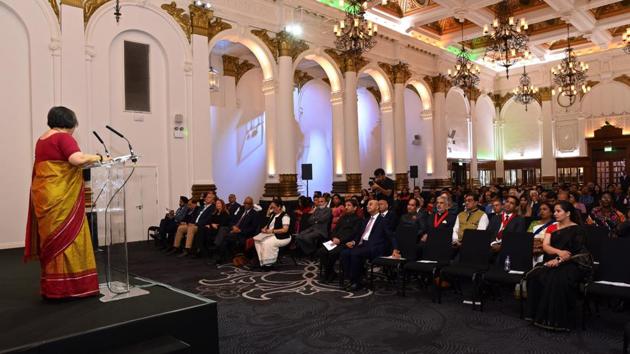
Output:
x=626 y=40
x=569 y=76
x=525 y=93
x=117 y=13
x=466 y=73
x=507 y=40
x=355 y=35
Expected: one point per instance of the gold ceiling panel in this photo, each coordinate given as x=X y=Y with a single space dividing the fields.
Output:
x=447 y=25
x=520 y=7
x=611 y=10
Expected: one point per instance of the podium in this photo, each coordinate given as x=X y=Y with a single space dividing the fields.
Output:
x=108 y=181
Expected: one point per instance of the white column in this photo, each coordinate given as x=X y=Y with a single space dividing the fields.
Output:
x=285 y=153
x=388 y=149
x=440 y=168
x=199 y=122
x=427 y=142
x=338 y=136
x=73 y=64
x=351 y=124
x=548 y=161
x=401 y=162
x=472 y=126
x=269 y=93
x=498 y=145
x=581 y=135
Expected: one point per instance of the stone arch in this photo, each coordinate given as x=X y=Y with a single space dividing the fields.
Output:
x=423 y=91
x=327 y=63
x=382 y=81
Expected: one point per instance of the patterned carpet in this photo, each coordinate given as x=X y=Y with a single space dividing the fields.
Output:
x=290 y=311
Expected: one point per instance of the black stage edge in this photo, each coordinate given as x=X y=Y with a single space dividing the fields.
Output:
x=167 y=320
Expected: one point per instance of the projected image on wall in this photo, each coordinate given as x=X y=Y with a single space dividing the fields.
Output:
x=250 y=134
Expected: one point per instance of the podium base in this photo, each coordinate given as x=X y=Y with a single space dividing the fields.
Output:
x=109 y=295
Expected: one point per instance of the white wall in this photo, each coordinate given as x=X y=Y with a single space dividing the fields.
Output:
x=521 y=132
x=456 y=119
x=415 y=125
x=483 y=126
x=369 y=134
x=313 y=112
x=239 y=137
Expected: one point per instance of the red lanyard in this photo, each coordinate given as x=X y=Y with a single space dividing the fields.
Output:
x=436 y=221
x=505 y=221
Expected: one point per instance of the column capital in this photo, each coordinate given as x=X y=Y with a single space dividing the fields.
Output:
x=268 y=87
x=545 y=94
x=217 y=25
x=284 y=44
x=200 y=19
x=233 y=66
x=73 y=3
x=438 y=83
x=345 y=62
x=397 y=73
x=426 y=114
x=179 y=15
x=300 y=78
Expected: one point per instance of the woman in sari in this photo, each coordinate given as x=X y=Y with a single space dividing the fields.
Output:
x=552 y=285
x=57 y=231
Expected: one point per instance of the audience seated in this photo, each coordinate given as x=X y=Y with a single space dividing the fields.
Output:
x=441 y=219
x=232 y=206
x=302 y=212
x=508 y=220
x=205 y=240
x=605 y=214
x=308 y=239
x=471 y=218
x=274 y=234
x=190 y=230
x=545 y=223
x=370 y=243
x=243 y=225
x=189 y=219
x=346 y=230
x=389 y=216
x=413 y=218
x=168 y=225
x=337 y=208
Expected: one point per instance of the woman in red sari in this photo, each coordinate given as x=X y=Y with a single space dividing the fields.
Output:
x=57 y=231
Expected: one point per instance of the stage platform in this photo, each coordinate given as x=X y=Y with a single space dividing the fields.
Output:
x=167 y=320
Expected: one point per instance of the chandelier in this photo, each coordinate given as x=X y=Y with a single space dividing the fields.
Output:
x=507 y=40
x=626 y=40
x=569 y=76
x=355 y=34
x=525 y=93
x=465 y=76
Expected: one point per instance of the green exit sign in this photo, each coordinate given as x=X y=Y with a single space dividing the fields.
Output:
x=608 y=148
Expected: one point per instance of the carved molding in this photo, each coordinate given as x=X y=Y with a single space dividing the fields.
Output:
x=283 y=44
x=200 y=19
x=500 y=100
x=74 y=3
x=347 y=63
x=89 y=7
x=544 y=93
x=300 y=78
x=288 y=185
x=397 y=73
x=353 y=181
x=438 y=83
x=233 y=66
x=179 y=15
x=473 y=94
x=269 y=42
x=624 y=79
x=375 y=92
x=216 y=26
x=55 y=7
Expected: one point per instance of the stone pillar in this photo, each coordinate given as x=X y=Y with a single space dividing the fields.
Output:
x=401 y=162
x=388 y=138
x=73 y=66
x=351 y=131
x=285 y=142
x=272 y=184
x=548 y=160
x=339 y=179
x=498 y=146
x=440 y=85
x=427 y=142
x=472 y=138
x=200 y=120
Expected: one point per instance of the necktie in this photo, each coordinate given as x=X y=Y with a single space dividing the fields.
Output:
x=368 y=228
x=241 y=218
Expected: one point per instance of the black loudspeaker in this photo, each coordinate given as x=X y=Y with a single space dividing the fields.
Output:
x=307 y=171
x=413 y=171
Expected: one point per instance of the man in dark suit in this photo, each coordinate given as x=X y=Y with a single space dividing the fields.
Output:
x=506 y=221
x=389 y=215
x=243 y=226
x=348 y=226
x=320 y=219
x=372 y=242
x=232 y=206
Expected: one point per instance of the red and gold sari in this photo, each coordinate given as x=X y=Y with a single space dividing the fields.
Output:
x=57 y=230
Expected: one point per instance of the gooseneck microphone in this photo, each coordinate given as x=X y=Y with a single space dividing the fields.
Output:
x=102 y=143
x=134 y=158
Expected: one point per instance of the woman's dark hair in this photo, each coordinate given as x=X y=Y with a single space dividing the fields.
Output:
x=548 y=205
x=62 y=117
x=569 y=208
x=340 y=199
x=353 y=202
x=183 y=199
x=224 y=210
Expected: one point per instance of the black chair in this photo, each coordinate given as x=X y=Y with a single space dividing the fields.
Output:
x=595 y=236
x=436 y=253
x=474 y=257
x=519 y=246
x=407 y=238
x=613 y=268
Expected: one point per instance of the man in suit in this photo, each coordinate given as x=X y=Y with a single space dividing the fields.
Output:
x=347 y=228
x=372 y=242
x=506 y=221
x=243 y=226
x=388 y=215
x=202 y=221
x=413 y=219
x=308 y=239
x=232 y=206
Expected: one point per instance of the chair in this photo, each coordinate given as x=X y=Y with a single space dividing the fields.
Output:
x=406 y=237
x=612 y=278
x=153 y=232
x=519 y=247
x=595 y=236
x=436 y=253
x=474 y=259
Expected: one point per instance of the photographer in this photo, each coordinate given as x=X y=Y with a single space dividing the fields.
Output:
x=382 y=186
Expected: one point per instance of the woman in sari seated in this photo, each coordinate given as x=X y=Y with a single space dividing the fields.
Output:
x=57 y=231
x=552 y=285
x=545 y=225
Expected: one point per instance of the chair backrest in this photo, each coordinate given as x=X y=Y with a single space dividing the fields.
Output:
x=520 y=247
x=407 y=238
x=438 y=246
x=614 y=264
x=595 y=236
x=475 y=249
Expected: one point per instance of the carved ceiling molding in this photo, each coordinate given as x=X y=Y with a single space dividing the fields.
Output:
x=216 y=26
x=233 y=66
x=179 y=15
x=624 y=79
x=283 y=44
x=347 y=63
x=438 y=83
x=200 y=19
x=300 y=78
x=397 y=73
x=375 y=92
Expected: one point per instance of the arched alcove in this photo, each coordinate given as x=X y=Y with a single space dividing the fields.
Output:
x=457 y=113
x=484 y=128
x=521 y=131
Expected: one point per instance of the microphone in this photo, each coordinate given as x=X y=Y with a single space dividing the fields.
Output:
x=133 y=154
x=102 y=142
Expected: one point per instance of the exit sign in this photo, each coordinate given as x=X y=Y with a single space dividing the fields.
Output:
x=608 y=148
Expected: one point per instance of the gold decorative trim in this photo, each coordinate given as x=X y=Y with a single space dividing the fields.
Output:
x=288 y=185
x=402 y=180
x=624 y=79
x=500 y=100
x=283 y=44
x=55 y=7
x=473 y=94
x=376 y=93
x=353 y=183
x=438 y=83
x=263 y=35
x=216 y=26
x=300 y=78
x=73 y=3
x=271 y=190
x=179 y=15
x=200 y=19
x=413 y=88
x=347 y=63
x=233 y=66
x=544 y=93
x=397 y=73
x=340 y=187
x=89 y=7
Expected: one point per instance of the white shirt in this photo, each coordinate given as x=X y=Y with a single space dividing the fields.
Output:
x=204 y=209
x=483 y=224
x=368 y=228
